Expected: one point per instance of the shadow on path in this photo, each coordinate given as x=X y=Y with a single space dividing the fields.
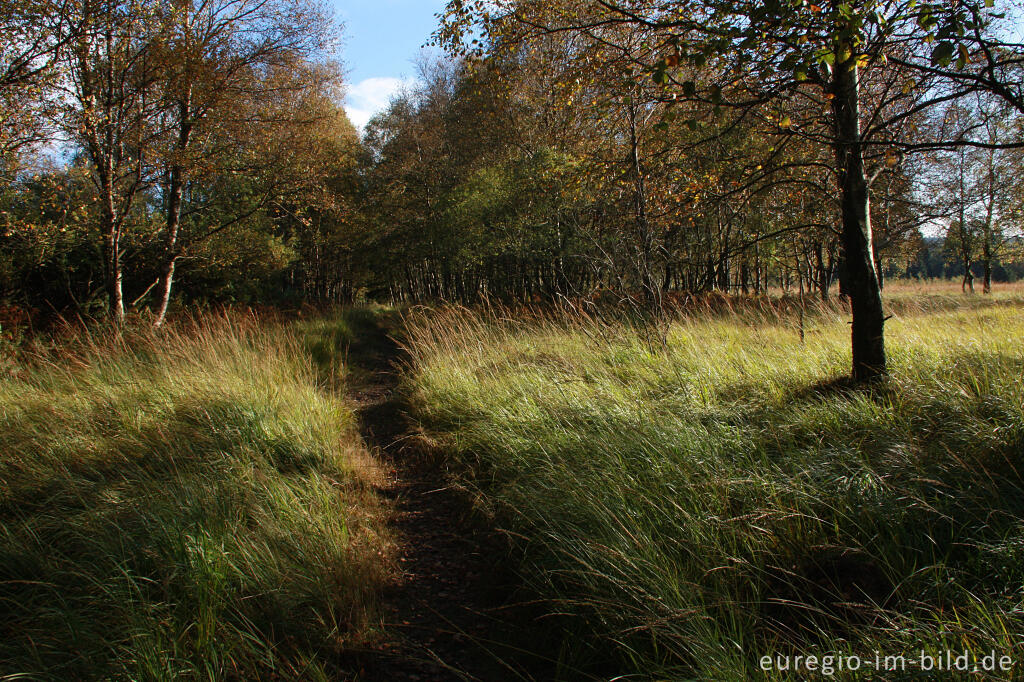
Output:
x=455 y=613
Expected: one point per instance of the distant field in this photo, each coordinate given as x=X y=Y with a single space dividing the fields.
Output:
x=950 y=286
x=1001 y=291
x=693 y=506
x=902 y=288
x=193 y=504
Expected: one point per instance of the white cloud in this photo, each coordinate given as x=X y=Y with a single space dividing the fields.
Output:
x=370 y=96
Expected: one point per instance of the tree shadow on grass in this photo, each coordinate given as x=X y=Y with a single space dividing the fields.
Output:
x=832 y=512
x=207 y=542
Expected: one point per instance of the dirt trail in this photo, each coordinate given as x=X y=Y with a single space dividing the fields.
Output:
x=455 y=614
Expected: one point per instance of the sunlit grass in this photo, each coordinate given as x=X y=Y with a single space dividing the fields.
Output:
x=192 y=504
x=702 y=503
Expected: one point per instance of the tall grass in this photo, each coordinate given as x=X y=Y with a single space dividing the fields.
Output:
x=182 y=505
x=343 y=344
x=694 y=506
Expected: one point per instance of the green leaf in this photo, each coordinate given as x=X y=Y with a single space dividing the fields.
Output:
x=689 y=88
x=965 y=55
x=942 y=54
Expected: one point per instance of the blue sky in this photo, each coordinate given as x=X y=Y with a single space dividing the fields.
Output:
x=382 y=40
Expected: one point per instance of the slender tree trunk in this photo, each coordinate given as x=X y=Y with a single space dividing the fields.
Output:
x=174 y=197
x=175 y=191
x=966 y=247
x=986 y=253
x=965 y=256
x=111 y=228
x=799 y=275
x=757 y=267
x=868 y=327
x=986 y=286
x=166 y=282
x=844 y=280
x=652 y=294
x=723 y=257
x=744 y=275
x=819 y=267
x=113 y=273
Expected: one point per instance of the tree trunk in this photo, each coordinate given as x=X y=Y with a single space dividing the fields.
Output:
x=111 y=249
x=967 y=285
x=986 y=254
x=744 y=275
x=878 y=269
x=166 y=281
x=757 y=268
x=170 y=245
x=113 y=274
x=986 y=262
x=175 y=191
x=868 y=335
x=822 y=274
x=651 y=293
x=966 y=246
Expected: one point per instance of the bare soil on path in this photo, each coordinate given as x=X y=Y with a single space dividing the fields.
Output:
x=457 y=611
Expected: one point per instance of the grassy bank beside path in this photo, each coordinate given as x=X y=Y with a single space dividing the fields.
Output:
x=692 y=507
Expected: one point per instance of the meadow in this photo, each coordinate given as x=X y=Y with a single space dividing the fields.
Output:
x=193 y=503
x=693 y=498
x=681 y=497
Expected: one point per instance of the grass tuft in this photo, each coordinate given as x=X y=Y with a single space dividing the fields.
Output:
x=182 y=505
x=725 y=495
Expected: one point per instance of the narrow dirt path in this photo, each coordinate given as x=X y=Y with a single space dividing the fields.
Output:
x=455 y=613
